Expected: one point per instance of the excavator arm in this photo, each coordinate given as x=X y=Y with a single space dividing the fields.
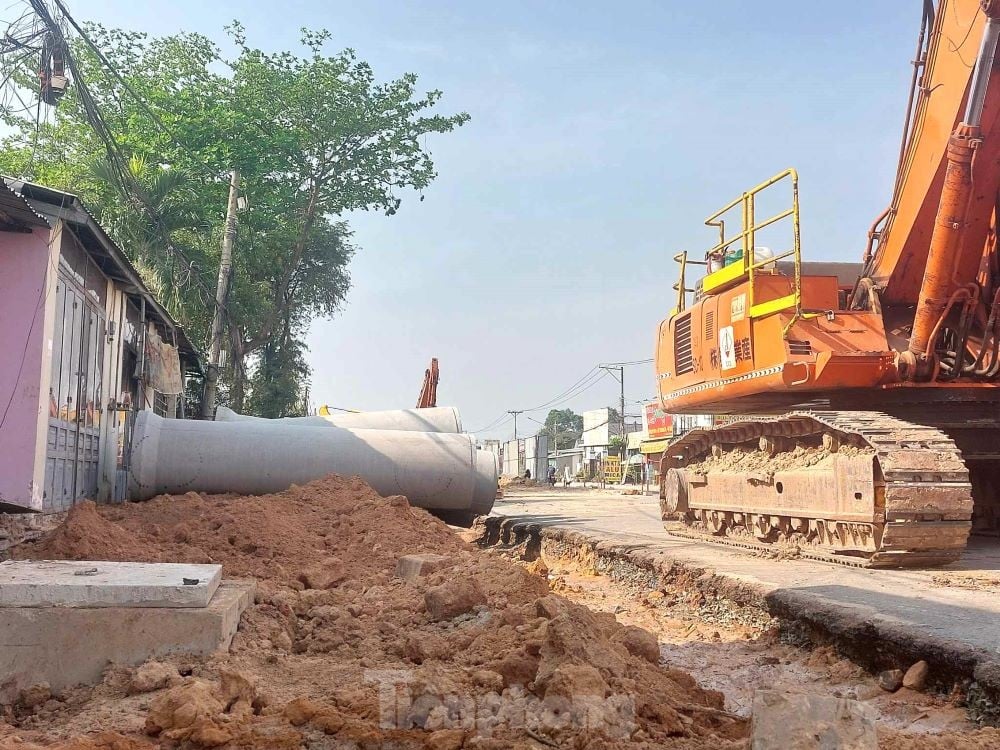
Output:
x=932 y=257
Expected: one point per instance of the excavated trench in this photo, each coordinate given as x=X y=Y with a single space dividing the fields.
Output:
x=734 y=637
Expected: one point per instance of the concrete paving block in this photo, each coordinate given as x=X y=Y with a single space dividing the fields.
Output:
x=414 y=566
x=799 y=721
x=71 y=583
x=74 y=645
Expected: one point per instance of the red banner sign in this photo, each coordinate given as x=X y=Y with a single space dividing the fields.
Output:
x=658 y=422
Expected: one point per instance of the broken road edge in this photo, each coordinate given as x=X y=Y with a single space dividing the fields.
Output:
x=803 y=618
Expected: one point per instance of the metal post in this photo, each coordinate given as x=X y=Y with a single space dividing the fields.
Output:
x=221 y=292
x=621 y=403
x=515 y=413
x=621 y=382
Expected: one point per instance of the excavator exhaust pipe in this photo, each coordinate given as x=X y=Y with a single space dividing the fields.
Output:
x=442 y=472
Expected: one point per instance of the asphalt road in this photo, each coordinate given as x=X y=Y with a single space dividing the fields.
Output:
x=960 y=602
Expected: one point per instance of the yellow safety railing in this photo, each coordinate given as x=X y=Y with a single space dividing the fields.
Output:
x=681 y=287
x=746 y=268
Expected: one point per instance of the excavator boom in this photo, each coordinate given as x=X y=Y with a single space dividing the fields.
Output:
x=428 y=392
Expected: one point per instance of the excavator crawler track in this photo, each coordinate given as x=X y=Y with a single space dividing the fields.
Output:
x=912 y=507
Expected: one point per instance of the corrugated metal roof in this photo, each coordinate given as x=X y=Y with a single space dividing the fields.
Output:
x=16 y=214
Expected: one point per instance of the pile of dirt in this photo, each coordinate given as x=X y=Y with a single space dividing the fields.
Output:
x=753 y=460
x=506 y=481
x=476 y=653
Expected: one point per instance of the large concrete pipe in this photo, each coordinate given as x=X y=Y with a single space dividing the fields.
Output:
x=435 y=470
x=435 y=419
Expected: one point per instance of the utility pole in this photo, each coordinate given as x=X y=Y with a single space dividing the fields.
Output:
x=621 y=402
x=221 y=292
x=515 y=413
x=621 y=407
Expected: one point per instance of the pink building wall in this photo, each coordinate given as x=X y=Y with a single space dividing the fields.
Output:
x=24 y=262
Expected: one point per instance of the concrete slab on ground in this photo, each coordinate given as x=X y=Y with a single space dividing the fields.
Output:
x=72 y=583
x=71 y=646
x=953 y=611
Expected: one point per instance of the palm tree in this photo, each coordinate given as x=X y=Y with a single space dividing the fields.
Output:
x=157 y=210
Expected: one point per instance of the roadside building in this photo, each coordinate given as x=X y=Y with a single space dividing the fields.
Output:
x=568 y=462
x=536 y=455
x=530 y=453
x=86 y=346
x=685 y=422
x=657 y=427
x=495 y=447
x=652 y=441
x=601 y=428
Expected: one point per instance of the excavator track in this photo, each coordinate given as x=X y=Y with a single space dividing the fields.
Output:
x=860 y=488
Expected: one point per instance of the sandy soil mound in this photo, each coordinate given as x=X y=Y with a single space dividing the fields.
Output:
x=337 y=649
x=507 y=481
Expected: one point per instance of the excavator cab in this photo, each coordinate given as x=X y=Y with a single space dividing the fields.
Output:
x=762 y=332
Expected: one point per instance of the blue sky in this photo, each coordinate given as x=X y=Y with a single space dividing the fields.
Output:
x=601 y=136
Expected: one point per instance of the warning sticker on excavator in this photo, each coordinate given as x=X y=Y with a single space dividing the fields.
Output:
x=738 y=308
x=727 y=348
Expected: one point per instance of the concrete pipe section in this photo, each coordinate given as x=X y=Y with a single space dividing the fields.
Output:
x=443 y=472
x=434 y=419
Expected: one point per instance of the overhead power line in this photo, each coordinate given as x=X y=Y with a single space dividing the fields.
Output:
x=117 y=161
x=570 y=396
x=121 y=79
x=592 y=377
x=496 y=423
x=590 y=373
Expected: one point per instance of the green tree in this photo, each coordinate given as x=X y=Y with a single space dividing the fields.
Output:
x=314 y=135
x=564 y=426
x=172 y=197
x=279 y=378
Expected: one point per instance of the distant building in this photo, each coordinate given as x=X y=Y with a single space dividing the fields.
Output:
x=86 y=345
x=567 y=462
x=685 y=422
x=493 y=446
x=600 y=427
x=530 y=453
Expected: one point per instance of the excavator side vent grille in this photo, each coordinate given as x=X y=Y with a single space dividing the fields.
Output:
x=709 y=325
x=683 y=357
x=799 y=347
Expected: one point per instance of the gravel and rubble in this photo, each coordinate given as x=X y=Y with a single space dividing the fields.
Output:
x=338 y=651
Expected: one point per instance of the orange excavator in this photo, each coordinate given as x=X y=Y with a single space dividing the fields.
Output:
x=869 y=392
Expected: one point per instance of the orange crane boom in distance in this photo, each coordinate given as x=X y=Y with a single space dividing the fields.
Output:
x=875 y=438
